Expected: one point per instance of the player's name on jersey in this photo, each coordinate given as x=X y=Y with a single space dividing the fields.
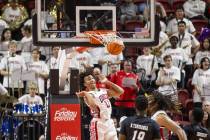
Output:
x=203 y=135
x=138 y=126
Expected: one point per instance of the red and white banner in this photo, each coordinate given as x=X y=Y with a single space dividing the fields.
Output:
x=65 y=122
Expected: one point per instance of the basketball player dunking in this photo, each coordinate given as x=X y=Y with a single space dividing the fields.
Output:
x=102 y=126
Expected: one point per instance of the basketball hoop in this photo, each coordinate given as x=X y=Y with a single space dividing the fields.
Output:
x=109 y=39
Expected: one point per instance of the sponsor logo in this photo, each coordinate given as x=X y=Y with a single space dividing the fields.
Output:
x=65 y=136
x=65 y=115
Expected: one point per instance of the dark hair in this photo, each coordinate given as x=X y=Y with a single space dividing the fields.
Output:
x=203 y=60
x=173 y=36
x=82 y=78
x=128 y=61
x=163 y=102
x=27 y=28
x=166 y=57
x=179 y=7
x=207 y=122
x=197 y=114
x=141 y=103
x=54 y=47
x=3 y=32
x=37 y=50
x=181 y=22
x=202 y=47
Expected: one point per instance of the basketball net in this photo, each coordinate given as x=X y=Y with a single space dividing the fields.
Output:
x=103 y=37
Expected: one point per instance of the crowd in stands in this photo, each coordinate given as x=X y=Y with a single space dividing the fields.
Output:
x=178 y=67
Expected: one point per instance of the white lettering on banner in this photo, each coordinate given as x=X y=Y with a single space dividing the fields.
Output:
x=203 y=135
x=65 y=136
x=65 y=115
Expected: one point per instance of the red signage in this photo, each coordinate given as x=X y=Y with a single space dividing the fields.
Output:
x=65 y=122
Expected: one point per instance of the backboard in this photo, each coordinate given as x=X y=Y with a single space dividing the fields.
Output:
x=63 y=22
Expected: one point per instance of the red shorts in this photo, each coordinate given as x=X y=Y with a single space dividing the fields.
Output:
x=102 y=129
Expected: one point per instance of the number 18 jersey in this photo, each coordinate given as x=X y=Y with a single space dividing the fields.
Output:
x=140 y=128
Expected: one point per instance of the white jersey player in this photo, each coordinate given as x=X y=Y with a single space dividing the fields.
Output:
x=104 y=106
x=102 y=126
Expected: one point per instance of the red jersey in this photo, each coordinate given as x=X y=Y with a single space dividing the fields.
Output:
x=130 y=94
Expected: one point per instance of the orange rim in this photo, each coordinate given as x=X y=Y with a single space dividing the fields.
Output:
x=94 y=35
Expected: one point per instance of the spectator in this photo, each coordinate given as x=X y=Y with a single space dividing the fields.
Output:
x=96 y=72
x=26 y=43
x=179 y=58
x=201 y=81
x=129 y=82
x=190 y=45
x=41 y=71
x=206 y=106
x=96 y=54
x=129 y=11
x=57 y=59
x=206 y=117
x=106 y=59
x=148 y=63
x=31 y=98
x=206 y=120
x=195 y=131
x=194 y=9
x=6 y=37
x=82 y=60
x=9 y=64
x=14 y=14
x=172 y=26
x=178 y=55
x=168 y=77
x=203 y=52
x=113 y=70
